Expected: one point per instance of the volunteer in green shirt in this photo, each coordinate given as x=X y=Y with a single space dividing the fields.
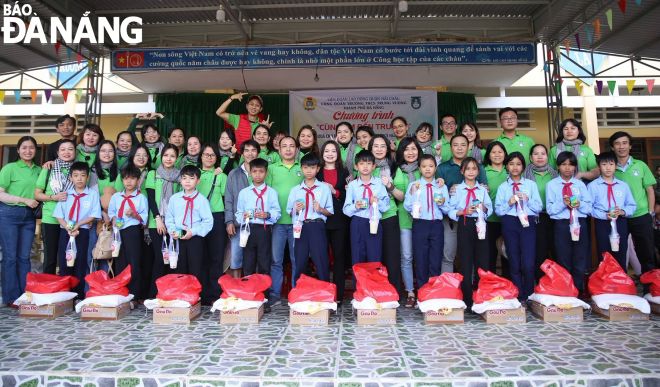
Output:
x=88 y=143
x=495 y=175
x=363 y=135
x=406 y=167
x=512 y=140
x=347 y=144
x=124 y=145
x=307 y=142
x=389 y=220
x=212 y=185
x=640 y=180
x=443 y=145
x=541 y=172
x=470 y=130
x=51 y=188
x=66 y=127
x=177 y=137
x=282 y=176
x=228 y=153
x=140 y=158
x=400 y=130
x=192 y=152
x=262 y=136
x=571 y=138
x=17 y=183
x=160 y=185
x=424 y=136
x=243 y=124
x=150 y=135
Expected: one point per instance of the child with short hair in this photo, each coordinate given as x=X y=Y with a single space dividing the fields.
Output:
x=311 y=202
x=469 y=197
x=612 y=201
x=361 y=194
x=129 y=211
x=75 y=216
x=563 y=194
x=188 y=220
x=427 y=229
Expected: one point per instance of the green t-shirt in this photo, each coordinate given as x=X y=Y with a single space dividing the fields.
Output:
x=121 y=160
x=107 y=182
x=233 y=119
x=519 y=143
x=401 y=182
x=392 y=210
x=638 y=176
x=204 y=187
x=271 y=157
x=342 y=150
x=494 y=178
x=586 y=158
x=445 y=150
x=155 y=158
x=119 y=185
x=541 y=182
x=84 y=156
x=151 y=182
x=19 y=180
x=282 y=179
x=49 y=206
x=177 y=163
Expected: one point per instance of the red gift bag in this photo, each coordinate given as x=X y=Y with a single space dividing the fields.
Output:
x=372 y=282
x=491 y=286
x=610 y=278
x=652 y=277
x=556 y=281
x=248 y=288
x=49 y=283
x=446 y=285
x=100 y=284
x=182 y=287
x=311 y=289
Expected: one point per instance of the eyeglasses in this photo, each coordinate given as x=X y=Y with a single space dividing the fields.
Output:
x=208 y=155
x=510 y=119
x=450 y=123
x=106 y=151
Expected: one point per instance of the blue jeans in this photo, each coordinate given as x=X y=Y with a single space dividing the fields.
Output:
x=281 y=234
x=16 y=236
x=236 y=251
x=406 y=258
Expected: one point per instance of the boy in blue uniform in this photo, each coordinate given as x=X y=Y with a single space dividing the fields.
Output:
x=189 y=219
x=311 y=202
x=563 y=194
x=75 y=216
x=427 y=228
x=612 y=201
x=129 y=212
x=361 y=194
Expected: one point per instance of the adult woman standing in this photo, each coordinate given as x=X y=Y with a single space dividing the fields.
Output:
x=17 y=184
x=406 y=171
x=88 y=143
x=496 y=175
x=228 y=152
x=571 y=138
x=307 y=142
x=124 y=145
x=193 y=150
x=347 y=144
x=51 y=188
x=177 y=137
x=424 y=136
x=334 y=175
x=150 y=136
x=262 y=137
x=469 y=129
x=400 y=131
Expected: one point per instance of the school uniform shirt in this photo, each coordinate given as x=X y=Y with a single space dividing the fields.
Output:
x=19 y=179
x=156 y=183
x=457 y=202
x=208 y=180
x=605 y=197
x=533 y=206
x=79 y=208
x=192 y=212
x=494 y=178
x=401 y=183
x=519 y=143
x=358 y=190
x=541 y=182
x=586 y=158
x=139 y=203
x=427 y=192
x=282 y=178
x=451 y=172
x=249 y=199
x=142 y=185
x=638 y=176
x=43 y=182
x=555 y=198
x=317 y=192
x=392 y=210
x=89 y=158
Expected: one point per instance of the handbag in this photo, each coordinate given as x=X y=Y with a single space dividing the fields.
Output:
x=38 y=210
x=103 y=247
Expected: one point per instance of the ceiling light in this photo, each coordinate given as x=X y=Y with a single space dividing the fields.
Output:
x=403 y=6
x=316 y=78
x=220 y=14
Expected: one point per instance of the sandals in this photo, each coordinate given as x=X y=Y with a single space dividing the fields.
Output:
x=410 y=302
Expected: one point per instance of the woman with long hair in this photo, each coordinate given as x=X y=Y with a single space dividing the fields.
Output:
x=177 y=137
x=470 y=130
x=424 y=136
x=88 y=143
x=192 y=152
x=496 y=175
x=268 y=152
x=124 y=145
x=571 y=138
x=150 y=134
x=307 y=142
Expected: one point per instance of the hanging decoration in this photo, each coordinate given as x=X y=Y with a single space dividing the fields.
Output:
x=546 y=68
x=47 y=95
x=33 y=95
x=597 y=28
x=586 y=29
x=78 y=57
x=79 y=93
x=57 y=47
x=578 y=83
x=68 y=52
x=631 y=84
x=608 y=14
x=611 y=85
x=567 y=47
x=2 y=97
x=622 y=7
x=17 y=95
x=577 y=40
x=65 y=94
x=649 y=84
x=599 y=85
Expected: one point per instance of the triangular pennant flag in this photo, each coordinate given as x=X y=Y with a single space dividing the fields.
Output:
x=68 y=52
x=568 y=50
x=631 y=84
x=649 y=84
x=560 y=80
x=546 y=68
x=622 y=7
x=78 y=57
x=57 y=47
x=599 y=85
x=611 y=85
x=79 y=93
x=586 y=29
x=47 y=94
x=65 y=94
x=17 y=95
x=558 y=87
x=597 y=28
x=91 y=90
x=33 y=95
x=2 y=97
x=638 y=2
x=577 y=85
x=608 y=14
x=558 y=51
x=577 y=40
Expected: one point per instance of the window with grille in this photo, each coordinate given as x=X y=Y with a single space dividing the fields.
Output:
x=30 y=125
x=633 y=117
x=488 y=119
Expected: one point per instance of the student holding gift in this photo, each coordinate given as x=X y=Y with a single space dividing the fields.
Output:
x=568 y=202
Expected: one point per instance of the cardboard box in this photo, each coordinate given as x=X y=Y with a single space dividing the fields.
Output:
x=302 y=318
x=620 y=313
x=90 y=313
x=556 y=314
x=505 y=316
x=456 y=316
x=247 y=316
x=46 y=311
x=177 y=315
x=376 y=317
x=655 y=308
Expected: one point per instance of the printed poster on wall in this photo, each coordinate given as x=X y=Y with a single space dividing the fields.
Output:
x=324 y=109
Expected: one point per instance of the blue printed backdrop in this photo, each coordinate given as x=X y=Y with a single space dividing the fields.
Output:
x=327 y=55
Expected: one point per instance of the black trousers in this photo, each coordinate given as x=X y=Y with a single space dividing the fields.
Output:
x=545 y=242
x=191 y=255
x=572 y=256
x=214 y=257
x=473 y=253
x=392 y=250
x=130 y=253
x=641 y=229
x=493 y=232
x=159 y=268
x=51 y=236
x=312 y=243
x=257 y=254
x=338 y=240
x=79 y=268
x=147 y=265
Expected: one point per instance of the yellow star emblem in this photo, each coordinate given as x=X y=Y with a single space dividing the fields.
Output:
x=121 y=60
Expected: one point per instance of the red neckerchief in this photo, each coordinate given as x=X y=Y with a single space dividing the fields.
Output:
x=190 y=203
x=260 y=196
x=75 y=206
x=467 y=199
x=130 y=204
x=308 y=193
x=515 y=187
x=566 y=191
x=429 y=199
x=610 y=195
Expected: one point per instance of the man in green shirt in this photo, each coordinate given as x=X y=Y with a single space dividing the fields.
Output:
x=510 y=138
x=640 y=180
x=244 y=124
x=447 y=131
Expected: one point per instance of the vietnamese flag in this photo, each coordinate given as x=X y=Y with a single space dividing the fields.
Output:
x=129 y=59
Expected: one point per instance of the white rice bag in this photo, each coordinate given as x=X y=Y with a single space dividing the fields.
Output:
x=108 y=301
x=511 y=303
x=655 y=300
x=623 y=300
x=436 y=304
x=158 y=303
x=561 y=302
x=44 y=299
x=312 y=307
x=371 y=304
x=235 y=304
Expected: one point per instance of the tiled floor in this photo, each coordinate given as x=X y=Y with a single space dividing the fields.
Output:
x=134 y=352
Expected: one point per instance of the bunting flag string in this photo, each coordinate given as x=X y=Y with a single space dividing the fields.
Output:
x=17 y=95
x=33 y=95
x=586 y=29
x=78 y=57
x=57 y=47
x=611 y=85
x=608 y=14
x=649 y=84
x=567 y=47
x=2 y=97
x=597 y=28
x=578 y=83
x=79 y=93
x=65 y=95
x=577 y=40
x=599 y=85
x=68 y=52
x=622 y=6
x=631 y=84
x=546 y=68
x=47 y=94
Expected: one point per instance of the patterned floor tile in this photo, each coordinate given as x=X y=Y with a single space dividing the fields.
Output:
x=231 y=365
x=444 y=367
x=301 y=366
x=372 y=367
x=513 y=365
